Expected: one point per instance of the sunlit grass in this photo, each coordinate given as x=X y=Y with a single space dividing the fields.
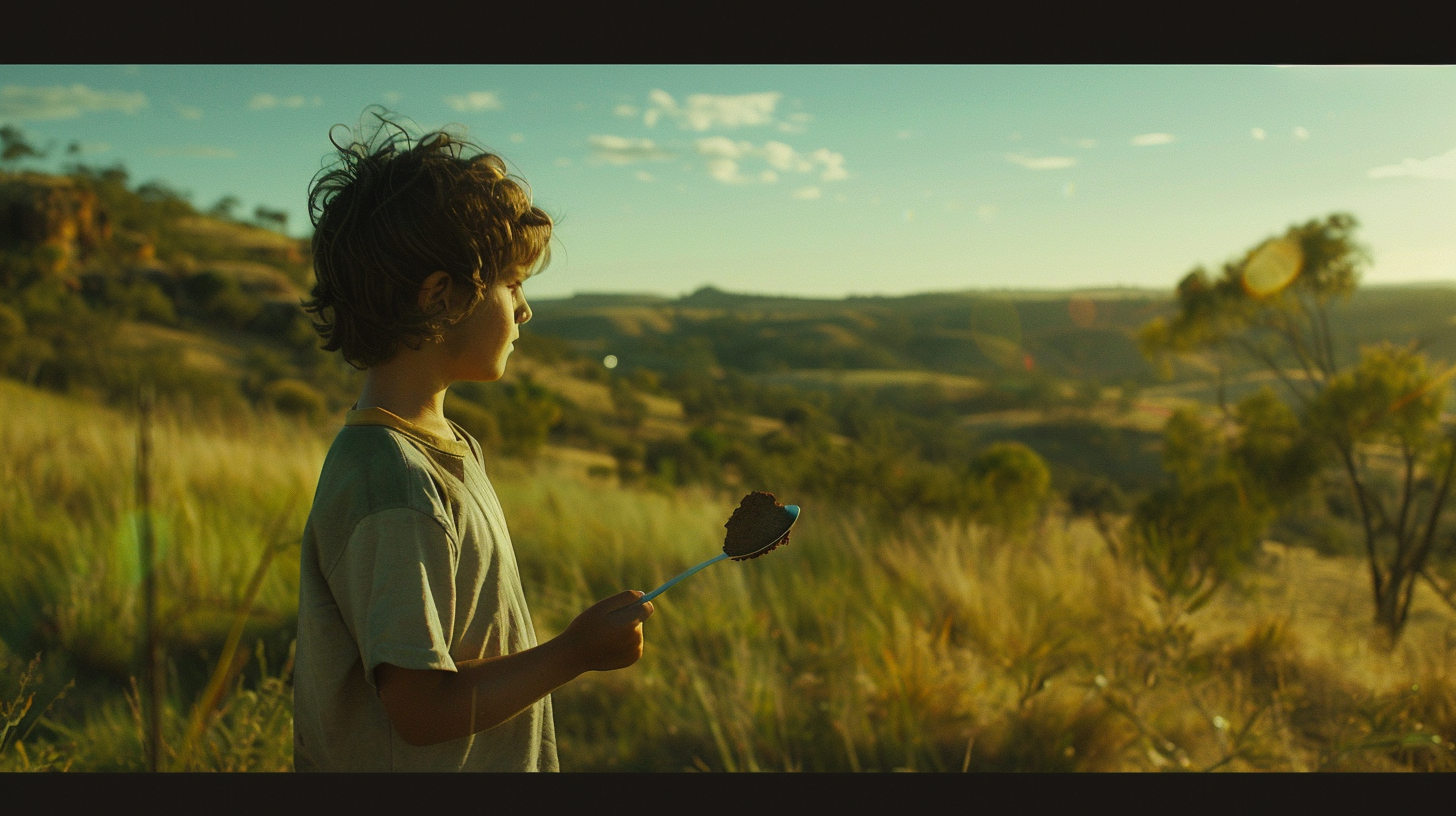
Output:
x=933 y=646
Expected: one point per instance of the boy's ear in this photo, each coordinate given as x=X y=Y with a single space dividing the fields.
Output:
x=435 y=291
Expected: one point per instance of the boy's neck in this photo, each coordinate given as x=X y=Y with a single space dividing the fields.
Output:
x=408 y=390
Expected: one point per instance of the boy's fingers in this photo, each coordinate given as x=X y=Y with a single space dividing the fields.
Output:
x=619 y=601
x=633 y=612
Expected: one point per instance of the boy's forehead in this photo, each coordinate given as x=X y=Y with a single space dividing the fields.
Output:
x=526 y=270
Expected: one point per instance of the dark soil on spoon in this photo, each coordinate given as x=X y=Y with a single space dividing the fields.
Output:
x=758 y=518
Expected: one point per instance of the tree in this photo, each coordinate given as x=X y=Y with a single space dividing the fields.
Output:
x=527 y=417
x=14 y=146
x=1010 y=486
x=630 y=408
x=272 y=219
x=1227 y=481
x=1375 y=419
x=1101 y=500
x=224 y=208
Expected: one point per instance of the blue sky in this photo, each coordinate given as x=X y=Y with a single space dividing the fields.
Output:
x=829 y=180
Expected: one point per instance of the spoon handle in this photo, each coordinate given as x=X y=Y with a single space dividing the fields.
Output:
x=685 y=573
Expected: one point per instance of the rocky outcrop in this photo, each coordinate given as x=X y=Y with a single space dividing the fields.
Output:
x=52 y=211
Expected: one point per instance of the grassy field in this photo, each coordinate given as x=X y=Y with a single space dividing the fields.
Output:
x=928 y=646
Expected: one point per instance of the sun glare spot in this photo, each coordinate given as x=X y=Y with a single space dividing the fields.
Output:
x=610 y=361
x=1272 y=267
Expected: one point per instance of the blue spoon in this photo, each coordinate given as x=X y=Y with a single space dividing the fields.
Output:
x=791 y=512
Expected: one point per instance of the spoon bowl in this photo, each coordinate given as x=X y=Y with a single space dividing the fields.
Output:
x=774 y=536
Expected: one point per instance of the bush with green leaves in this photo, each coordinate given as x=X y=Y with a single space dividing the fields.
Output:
x=478 y=422
x=1376 y=420
x=295 y=397
x=1010 y=485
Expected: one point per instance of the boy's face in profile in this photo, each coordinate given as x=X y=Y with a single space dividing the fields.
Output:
x=476 y=348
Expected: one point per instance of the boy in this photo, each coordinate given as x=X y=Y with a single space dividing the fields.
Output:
x=415 y=647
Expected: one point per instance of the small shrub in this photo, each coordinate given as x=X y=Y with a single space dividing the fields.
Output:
x=295 y=397
x=476 y=421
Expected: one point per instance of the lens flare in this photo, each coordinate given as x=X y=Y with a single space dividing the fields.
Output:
x=996 y=330
x=1272 y=267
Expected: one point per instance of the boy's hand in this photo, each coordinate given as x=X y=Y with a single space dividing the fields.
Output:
x=609 y=634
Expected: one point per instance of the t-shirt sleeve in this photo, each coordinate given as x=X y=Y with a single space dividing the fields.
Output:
x=395 y=587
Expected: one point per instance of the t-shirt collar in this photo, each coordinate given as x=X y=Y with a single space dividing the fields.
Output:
x=379 y=416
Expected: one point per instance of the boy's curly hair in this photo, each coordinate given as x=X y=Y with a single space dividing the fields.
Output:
x=393 y=210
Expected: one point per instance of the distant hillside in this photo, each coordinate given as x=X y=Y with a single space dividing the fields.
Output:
x=1079 y=334
x=104 y=286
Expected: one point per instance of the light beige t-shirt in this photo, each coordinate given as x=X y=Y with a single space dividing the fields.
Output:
x=406 y=560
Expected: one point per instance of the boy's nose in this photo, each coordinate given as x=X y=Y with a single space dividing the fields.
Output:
x=523 y=314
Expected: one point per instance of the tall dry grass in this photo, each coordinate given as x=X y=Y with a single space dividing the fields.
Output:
x=930 y=646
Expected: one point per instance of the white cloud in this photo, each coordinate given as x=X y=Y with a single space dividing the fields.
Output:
x=1436 y=167
x=626 y=110
x=474 y=102
x=724 y=156
x=986 y=212
x=265 y=101
x=187 y=112
x=1044 y=163
x=704 y=111
x=392 y=96
x=832 y=162
x=1086 y=143
x=1069 y=190
x=517 y=138
x=193 y=152
x=904 y=134
x=626 y=150
x=782 y=157
x=725 y=170
x=562 y=161
x=18 y=102
x=807 y=193
x=1147 y=139
x=724 y=147
x=645 y=177
x=1301 y=134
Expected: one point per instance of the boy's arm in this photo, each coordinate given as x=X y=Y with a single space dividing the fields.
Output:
x=432 y=706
